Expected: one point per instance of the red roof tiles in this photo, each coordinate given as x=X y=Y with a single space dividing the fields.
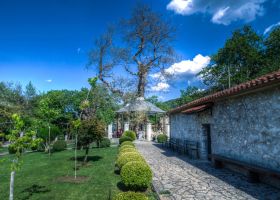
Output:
x=261 y=82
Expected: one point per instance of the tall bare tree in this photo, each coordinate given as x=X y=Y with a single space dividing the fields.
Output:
x=140 y=45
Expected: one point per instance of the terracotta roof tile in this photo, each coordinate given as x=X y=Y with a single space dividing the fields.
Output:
x=259 y=82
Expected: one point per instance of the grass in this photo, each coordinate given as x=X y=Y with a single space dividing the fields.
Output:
x=39 y=176
x=3 y=149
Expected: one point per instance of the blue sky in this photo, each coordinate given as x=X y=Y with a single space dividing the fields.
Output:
x=47 y=42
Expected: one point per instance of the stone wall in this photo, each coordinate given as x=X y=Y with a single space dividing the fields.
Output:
x=245 y=128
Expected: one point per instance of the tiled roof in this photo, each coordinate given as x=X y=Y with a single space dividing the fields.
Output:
x=261 y=82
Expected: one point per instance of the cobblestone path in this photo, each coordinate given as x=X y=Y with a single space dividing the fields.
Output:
x=193 y=179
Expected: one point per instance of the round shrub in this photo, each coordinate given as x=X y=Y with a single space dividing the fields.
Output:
x=12 y=149
x=128 y=157
x=59 y=145
x=130 y=196
x=136 y=175
x=126 y=147
x=125 y=138
x=161 y=138
x=128 y=150
x=127 y=143
x=130 y=134
x=105 y=142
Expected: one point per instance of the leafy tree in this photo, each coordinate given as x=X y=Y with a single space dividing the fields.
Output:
x=272 y=51
x=190 y=94
x=144 y=49
x=48 y=113
x=239 y=60
x=19 y=143
x=89 y=131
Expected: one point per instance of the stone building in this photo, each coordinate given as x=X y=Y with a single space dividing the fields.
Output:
x=241 y=123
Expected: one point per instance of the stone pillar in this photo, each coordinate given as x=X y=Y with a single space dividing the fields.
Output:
x=167 y=126
x=110 y=131
x=126 y=126
x=203 y=143
x=66 y=137
x=149 y=131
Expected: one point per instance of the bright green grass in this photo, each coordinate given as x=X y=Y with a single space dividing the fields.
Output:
x=40 y=170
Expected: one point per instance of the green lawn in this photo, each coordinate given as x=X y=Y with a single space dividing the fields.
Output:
x=38 y=176
x=3 y=149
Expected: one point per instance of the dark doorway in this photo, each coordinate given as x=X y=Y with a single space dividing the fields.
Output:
x=207 y=132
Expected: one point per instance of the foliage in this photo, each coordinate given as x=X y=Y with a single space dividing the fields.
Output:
x=272 y=51
x=20 y=143
x=124 y=138
x=13 y=149
x=128 y=157
x=136 y=175
x=127 y=150
x=59 y=145
x=89 y=131
x=43 y=132
x=105 y=142
x=127 y=143
x=130 y=134
x=126 y=147
x=245 y=56
x=130 y=196
x=161 y=138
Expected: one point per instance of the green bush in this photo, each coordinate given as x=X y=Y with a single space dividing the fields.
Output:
x=12 y=149
x=130 y=134
x=125 y=138
x=127 y=150
x=136 y=175
x=105 y=142
x=161 y=138
x=126 y=147
x=59 y=145
x=127 y=143
x=128 y=157
x=130 y=196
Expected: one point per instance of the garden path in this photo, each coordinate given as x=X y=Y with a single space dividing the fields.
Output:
x=195 y=179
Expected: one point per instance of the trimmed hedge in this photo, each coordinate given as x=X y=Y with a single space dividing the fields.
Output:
x=124 y=138
x=161 y=138
x=127 y=143
x=130 y=134
x=130 y=196
x=126 y=147
x=128 y=150
x=128 y=157
x=59 y=145
x=136 y=175
x=105 y=142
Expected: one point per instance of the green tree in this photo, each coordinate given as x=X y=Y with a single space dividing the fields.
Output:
x=48 y=113
x=19 y=143
x=89 y=131
x=239 y=60
x=272 y=51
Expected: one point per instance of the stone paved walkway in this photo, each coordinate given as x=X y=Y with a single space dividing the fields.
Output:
x=194 y=179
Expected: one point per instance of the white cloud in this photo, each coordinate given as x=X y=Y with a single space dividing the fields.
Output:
x=222 y=11
x=49 y=80
x=161 y=86
x=189 y=66
x=268 y=29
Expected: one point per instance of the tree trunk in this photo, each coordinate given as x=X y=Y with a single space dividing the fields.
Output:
x=12 y=180
x=141 y=82
x=76 y=139
x=86 y=155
